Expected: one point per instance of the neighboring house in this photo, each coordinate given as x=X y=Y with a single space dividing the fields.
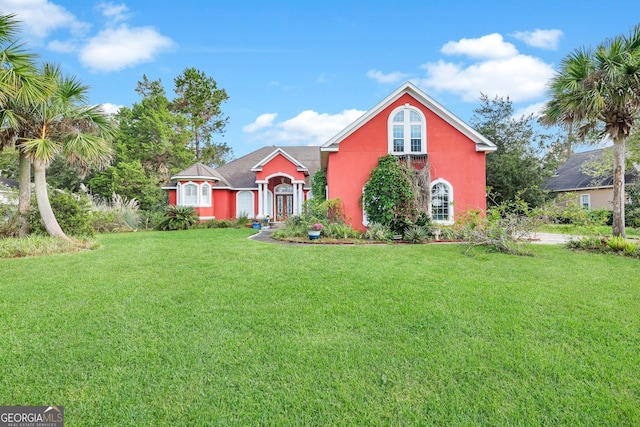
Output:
x=8 y=190
x=592 y=192
x=275 y=181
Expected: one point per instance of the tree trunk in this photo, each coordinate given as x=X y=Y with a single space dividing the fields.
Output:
x=197 y=145
x=24 y=195
x=618 y=187
x=46 y=213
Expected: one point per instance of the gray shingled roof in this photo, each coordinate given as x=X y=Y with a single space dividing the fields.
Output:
x=238 y=174
x=571 y=176
x=11 y=183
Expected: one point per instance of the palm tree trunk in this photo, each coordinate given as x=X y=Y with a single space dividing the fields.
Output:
x=24 y=194
x=618 y=187
x=46 y=213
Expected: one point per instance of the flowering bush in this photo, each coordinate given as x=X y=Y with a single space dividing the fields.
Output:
x=317 y=226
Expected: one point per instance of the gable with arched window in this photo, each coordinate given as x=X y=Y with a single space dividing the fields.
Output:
x=441 y=201
x=407 y=130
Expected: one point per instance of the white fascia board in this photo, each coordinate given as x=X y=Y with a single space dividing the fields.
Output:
x=197 y=178
x=258 y=166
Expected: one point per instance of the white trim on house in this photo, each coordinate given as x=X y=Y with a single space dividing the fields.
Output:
x=181 y=194
x=244 y=209
x=482 y=143
x=277 y=174
x=299 y=166
x=586 y=196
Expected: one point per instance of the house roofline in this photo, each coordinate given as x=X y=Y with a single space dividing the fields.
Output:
x=299 y=166
x=482 y=143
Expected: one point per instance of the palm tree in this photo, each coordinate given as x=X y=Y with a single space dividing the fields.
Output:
x=20 y=85
x=64 y=123
x=600 y=90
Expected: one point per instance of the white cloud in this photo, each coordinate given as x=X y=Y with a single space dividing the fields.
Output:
x=117 y=46
x=114 y=12
x=263 y=121
x=67 y=46
x=489 y=46
x=380 y=77
x=123 y=47
x=324 y=78
x=41 y=17
x=535 y=109
x=545 y=39
x=496 y=69
x=110 y=108
x=308 y=127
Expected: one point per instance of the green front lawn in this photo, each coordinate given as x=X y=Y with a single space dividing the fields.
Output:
x=205 y=327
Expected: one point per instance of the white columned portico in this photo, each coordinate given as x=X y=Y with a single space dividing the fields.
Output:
x=295 y=199
x=265 y=200
x=260 y=199
x=300 y=197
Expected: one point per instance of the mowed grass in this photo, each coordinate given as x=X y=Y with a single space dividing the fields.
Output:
x=205 y=327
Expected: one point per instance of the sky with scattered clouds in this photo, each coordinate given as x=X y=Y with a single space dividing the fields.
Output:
x=298 y=72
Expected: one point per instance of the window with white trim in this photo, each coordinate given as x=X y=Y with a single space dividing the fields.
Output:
x=205 y=194
x=441 y=201
x=244 y=204
x=585 y=201
x=190 y=194
x=407 y=131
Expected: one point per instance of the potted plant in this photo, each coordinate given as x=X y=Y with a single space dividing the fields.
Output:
x=315 y=230
x=265 y=222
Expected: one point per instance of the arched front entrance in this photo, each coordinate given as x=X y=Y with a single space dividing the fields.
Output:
x=284 y=201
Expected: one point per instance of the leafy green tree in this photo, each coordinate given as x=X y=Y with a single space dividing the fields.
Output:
x=600 y=89
x=129 y=180
x=20 y=86
x=388 y=198
x=151 y=144
x=516 y=170
x=64 y=123
x=199 y=100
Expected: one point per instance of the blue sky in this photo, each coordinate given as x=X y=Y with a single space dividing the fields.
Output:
x=299 y=71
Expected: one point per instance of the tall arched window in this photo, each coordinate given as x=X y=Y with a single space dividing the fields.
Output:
x=441 y=201
x=244 y=204
x=407 y=131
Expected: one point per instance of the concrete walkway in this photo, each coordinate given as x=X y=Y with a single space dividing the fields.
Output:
x=551 y=238
x=536 y=238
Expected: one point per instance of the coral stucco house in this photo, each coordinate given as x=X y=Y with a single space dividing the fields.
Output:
x=275 y=181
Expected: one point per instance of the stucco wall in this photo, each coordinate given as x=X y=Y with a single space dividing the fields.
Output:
x=452 y=155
